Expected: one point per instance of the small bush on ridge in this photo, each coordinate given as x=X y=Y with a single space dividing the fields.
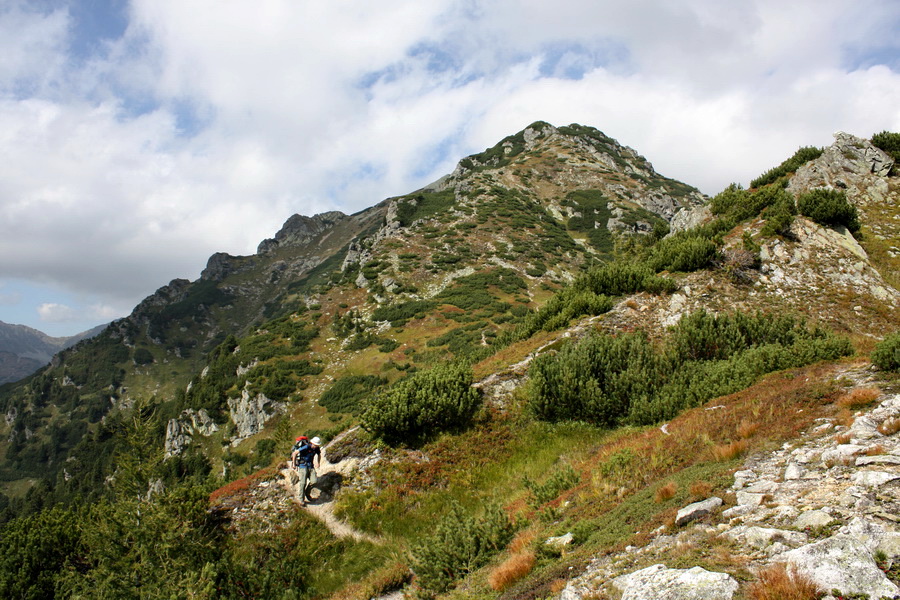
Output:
x=829 y=207
x=423 y=404
x=886 y=355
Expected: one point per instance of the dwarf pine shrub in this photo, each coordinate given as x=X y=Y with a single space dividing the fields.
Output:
x=422 y=404
x=685 y=251
x=609 y=380
x=561 y=479
x=460 y=545
x=890 y=143
x=886 y=355
x=829 y=207
x=802 y=156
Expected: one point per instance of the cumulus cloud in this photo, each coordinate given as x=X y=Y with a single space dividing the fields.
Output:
x=51 y=312
x=205 y=125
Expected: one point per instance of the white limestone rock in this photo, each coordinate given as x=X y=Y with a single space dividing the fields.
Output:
x=813 y=519
x=842 y=562
x=873 y=479
x=675 y=584
x=697 y=510
x=761 y=537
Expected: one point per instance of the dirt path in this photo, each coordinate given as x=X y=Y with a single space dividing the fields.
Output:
x=322 y=505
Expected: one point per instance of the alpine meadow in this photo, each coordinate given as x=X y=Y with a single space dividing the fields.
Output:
x=552 y=374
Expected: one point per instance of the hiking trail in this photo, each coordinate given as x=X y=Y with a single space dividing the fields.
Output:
x=330 y=477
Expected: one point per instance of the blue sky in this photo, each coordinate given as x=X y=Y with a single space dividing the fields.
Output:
x=139 y=137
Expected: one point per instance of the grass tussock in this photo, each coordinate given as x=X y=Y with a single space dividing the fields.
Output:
x=747 y=428
x=843 y=438
x=875 y=450
x=858 y=398
x=522 y=541
x=726 y=452
x=889 y=426
x=511 y=570
x=665 y=492
x=701 y=489
x=779 y=582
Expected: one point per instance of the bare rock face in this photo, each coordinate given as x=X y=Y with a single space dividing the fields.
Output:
x=851 y=164
x=299 y=230
x=249 y=414
x=675 y=584
x=180 y=431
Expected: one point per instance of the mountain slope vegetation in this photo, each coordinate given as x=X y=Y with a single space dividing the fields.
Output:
x=510 y=337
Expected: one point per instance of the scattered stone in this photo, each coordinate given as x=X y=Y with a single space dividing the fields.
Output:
x=559 y=543
x=841 y=453
x=882 y=459
x=873 y=478
x=737 y=511
x=813 y=518
x=762 y=487
x=842 y=562
x=761 y=537
x=675 y=584
x=697 y=510
x=794 y=472
x=749 y=499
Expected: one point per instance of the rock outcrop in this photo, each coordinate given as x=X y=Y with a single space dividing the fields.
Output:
x=830 y=520
x=250 y=413
x=180 y=431
x=299 y=230
x=675 y=584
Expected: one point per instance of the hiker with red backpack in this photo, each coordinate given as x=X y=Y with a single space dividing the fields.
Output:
x=305 y=452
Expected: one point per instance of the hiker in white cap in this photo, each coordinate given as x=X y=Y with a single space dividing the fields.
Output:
x=306 y=455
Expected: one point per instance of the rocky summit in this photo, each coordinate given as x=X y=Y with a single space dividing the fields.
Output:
x=551 y=373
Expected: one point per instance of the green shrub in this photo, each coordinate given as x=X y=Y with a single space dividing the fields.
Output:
x=886 y=355
x=779 y=215
x=561 y=479
x=829 y=207
x=890 y=143
x=142 y=357
x=460 y=545
x=347 y=394
x=609 y=380
x=801 y=156
x=423 y=404
x=684 y=251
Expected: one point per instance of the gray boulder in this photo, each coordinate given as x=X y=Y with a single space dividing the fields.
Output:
x=675 y=584
x=697 y=510
x=844 y=563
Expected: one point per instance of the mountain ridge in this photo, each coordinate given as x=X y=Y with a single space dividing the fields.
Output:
x=531 y=270
x=24 y=350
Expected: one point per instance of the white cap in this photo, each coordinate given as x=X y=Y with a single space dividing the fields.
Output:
x=316 y=441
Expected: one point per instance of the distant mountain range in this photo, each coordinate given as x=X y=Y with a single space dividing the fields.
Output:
x=24 y=350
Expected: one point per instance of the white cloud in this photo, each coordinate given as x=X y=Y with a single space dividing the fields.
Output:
x=208 y=124
x=51 y=312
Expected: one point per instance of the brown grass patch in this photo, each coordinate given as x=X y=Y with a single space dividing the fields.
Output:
x=726 y=452
x=511 y=570
x=875 y=450
x=665 y=492
x=889 y=426
x=747 y=428
x=558 y=585
x=700 y=489
x=858 y=398
x=780 y=583
x=229 y=493
x=843 y=438
x=521 y=542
